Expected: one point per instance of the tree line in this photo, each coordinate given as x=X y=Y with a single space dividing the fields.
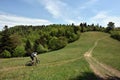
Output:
x=114 y=31
x=22 y=40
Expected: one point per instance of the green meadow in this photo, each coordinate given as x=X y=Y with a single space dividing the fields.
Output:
x=67 y=63
x=108 y=52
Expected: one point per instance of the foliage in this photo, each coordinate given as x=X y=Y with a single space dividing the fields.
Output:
x=41 y=49
x=6 y=41
x=35 y=46
x=44 y=38
x=19 y=51
x=85 y=27
x=115 y=35
x=28 y=48
x=16 y=40
x=57 y=43
x=110 y=26
x=5 y=54
x=73 y=37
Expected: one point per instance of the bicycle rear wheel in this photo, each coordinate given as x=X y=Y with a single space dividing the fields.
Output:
x=29 y=63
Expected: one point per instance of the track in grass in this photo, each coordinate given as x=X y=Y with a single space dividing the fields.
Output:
x=47 y=64
x=102 y=70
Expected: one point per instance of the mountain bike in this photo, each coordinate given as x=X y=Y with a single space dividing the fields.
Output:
x=32 y=63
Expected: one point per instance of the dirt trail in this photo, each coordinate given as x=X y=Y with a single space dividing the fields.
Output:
x=102 y=70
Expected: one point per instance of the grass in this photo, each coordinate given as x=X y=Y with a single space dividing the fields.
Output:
x=108 y=51
x=65 y=64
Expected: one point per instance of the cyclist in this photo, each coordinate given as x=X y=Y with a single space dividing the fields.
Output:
x=33 y=56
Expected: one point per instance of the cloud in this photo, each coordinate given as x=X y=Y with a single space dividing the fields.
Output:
x=61 y=10
x=54 y=7
x=103 y=18
x=12 y=20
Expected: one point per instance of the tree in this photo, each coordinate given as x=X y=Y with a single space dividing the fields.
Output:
x=41 y=49
x=19 y=51
x=5 y=54
x=43 y=40
x=57 y=43
x=16 y=40
x=110 y=26
x=6 y=41
x=81 y=25
x=85 y=24
x=28 y=48
x=36 y=44
x=76 y=29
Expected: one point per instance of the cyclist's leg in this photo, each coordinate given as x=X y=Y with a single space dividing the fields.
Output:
x=36 y=59
x=32 y=58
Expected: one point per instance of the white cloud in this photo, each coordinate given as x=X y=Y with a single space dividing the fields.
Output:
x=12 y=20
x=54 y=7
x=103 y=18
x=61 y=10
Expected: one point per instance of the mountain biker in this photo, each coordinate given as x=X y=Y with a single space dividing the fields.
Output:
x=33 y=56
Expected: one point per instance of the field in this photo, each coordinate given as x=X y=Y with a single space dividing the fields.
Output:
x=68 y=63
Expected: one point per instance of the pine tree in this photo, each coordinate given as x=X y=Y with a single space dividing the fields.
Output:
x=6 y=42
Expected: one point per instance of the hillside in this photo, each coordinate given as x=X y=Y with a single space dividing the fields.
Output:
x=69 y=63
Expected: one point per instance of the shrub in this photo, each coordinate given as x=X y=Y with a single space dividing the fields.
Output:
x=57 y=43
x=115 y=35
x=73 y=37
x=62 y=42
x=19 y=51
x=6 y=54
x=41 y=49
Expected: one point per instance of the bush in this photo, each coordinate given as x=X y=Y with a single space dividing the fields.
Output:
x=6 y=54
x=57 y=43
x=19 y=51
x=73 y=37
x=115 y=35
x=41 y=49
x=62 y=42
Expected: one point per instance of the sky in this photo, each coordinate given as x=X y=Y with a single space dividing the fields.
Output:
x=44 y=12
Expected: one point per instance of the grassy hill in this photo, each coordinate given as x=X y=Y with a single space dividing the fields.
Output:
x=65 y=64
x=108 y=51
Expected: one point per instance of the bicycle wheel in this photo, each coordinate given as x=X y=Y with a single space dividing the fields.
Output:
x=29 y=63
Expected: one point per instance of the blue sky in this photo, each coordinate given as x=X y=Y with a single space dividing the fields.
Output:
x=38 y=12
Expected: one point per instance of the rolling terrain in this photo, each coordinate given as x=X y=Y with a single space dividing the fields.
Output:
x=95 y=56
